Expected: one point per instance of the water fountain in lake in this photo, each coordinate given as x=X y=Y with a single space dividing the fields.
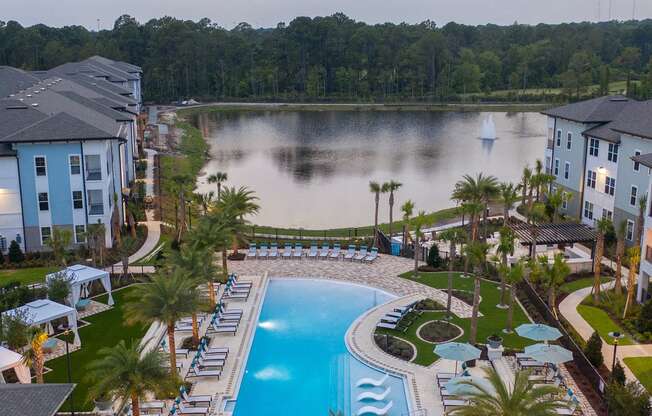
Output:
x=488 y=128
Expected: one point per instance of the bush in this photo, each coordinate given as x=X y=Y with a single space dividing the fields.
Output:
x=593 y=350
x=59 y=287
x=644 y=321
x=618 y=375
x=630 y=399
x=15 y=253
x=433 y=257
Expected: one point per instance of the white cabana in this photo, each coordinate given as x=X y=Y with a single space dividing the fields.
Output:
x=80 y=278
x=10 y=359
x=43 y=311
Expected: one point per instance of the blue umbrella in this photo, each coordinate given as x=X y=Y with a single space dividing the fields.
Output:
x=457 y=351
x=538 y=332
x=546 y=353
x=460 y=386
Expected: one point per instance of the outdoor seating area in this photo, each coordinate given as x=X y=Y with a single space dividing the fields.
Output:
x=400 y=318
x=360 y=254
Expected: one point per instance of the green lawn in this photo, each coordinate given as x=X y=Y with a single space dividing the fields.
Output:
x=165 y=239
x=642 y=369
x=26 y=276
x=602 y=322
x=492 y=322
x=578 y=284
x=106 y=330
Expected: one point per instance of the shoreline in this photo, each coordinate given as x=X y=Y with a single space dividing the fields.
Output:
x=422 y=107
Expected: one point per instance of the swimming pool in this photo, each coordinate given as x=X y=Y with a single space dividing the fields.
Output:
x=299 y=363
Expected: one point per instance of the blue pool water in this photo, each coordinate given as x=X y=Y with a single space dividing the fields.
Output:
x=299 y=364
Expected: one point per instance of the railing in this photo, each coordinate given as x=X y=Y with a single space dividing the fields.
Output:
x=96 y=209
x=583 y=363
x=93 y=174
x=551 y=144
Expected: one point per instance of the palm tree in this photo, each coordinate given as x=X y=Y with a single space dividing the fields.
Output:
x=218 y=178
x=535 y=214
x=490 y=191
x=476 y=252
x=391 y=187
x=523 y=399
x=555 y=275
x=602 y=225
x=556 y=200
x=508 y=197
x=375 y=188
x=58 y=242
x=525 y=183
x=95 y=237
x=505 y=248
x=480 y=189
x=407 y=209
x=473 y=209
x=620 y=254
x=205 y=201
x=126 y=248
x=235 y=204
x=513 y=275
x=634 y=259
x=128 y=372
x=640 y=221
x=453 y=236
x=34 y=356
x=181 y=182
x=166 y=299
x=132 y=217
x=417 y=223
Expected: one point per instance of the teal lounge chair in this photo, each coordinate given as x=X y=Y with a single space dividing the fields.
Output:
x=298 y=251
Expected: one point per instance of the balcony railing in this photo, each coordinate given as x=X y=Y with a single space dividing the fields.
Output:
x=96 y=209
x=94 y=174
x=551 y=144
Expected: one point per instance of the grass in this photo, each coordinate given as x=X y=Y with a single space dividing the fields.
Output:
x=614 y=88
x=578 y=284
x=492 y=322
x=106 y=330
x=642 y=369
x=165 y=240
x=602 y=322
x=26 y=276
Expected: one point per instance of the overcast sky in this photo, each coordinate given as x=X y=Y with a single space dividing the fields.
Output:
x=267 y=13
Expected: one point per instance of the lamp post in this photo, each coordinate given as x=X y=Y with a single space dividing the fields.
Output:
x=616 y=336
x=72 y=404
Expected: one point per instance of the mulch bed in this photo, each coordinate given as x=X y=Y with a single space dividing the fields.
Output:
x=439 y=331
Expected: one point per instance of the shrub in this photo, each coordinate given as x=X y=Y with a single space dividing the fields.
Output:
x=433 y=257
x=644 y=321
x=630 y=399
x=15 y=253
x=59 y=287
x=593 y=350
x=618 y=374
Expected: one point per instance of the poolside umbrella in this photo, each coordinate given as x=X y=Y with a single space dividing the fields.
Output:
x=549 y=354
x=538 y=332
x=460 y=386
x=457 y=351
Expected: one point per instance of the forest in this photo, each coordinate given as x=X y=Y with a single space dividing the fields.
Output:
x=335 y=58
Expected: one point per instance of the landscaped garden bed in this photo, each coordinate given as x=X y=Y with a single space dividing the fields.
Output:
x=395 y=346
x=439 y=331
x=642 y=369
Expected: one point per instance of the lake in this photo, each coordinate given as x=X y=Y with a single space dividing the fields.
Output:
x=312 y=169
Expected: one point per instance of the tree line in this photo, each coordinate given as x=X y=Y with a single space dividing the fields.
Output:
x=338 y=58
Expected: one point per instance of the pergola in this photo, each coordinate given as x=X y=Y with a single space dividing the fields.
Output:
x=10 y=359
x=551 y=234
x=43 y=311
x=80 y=278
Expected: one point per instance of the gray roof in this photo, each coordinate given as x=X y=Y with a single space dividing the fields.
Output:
x=603 y=132
x=13 y=80
x=645 y=160
x=100 y=108
x=61 y=126
x=597 y=110
x=110 y=103
x=15 y=115
x=103 y=87
x=33 y=399
x=637 y=120
x=112 y=70
x=124 y=66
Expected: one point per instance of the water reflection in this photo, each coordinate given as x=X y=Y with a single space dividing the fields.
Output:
x=311 y=169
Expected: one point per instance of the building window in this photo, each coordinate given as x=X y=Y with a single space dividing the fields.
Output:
x=609 y=186
x=46 y=232
x=556 y=167
x=612 y=155
x=75 y=165
x=590 y=178
x=588 y=210
x=637 y=166
x=594 y=147
x=607 y=214
x=569 y=140
x=41 y=169
x=77 y=200
x=632 y=196
x=566 y=170
x=95 y=202
x=80 y=234
x=629 y=232
x=43 y=202
x=558 y=138
x=93 y=167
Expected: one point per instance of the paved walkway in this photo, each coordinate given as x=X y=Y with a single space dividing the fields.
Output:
x=382 y=273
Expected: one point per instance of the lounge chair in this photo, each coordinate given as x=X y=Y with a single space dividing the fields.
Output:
x=386 y=325
x=394 y=314
x=152 y=405
x=390 y=319
x=446 y=376
x=453 y=403
x=350 y=253
x=362 y=254
x=222 y=330
x=211 y=355
x=195 y=371
x=287 y=251
x=230 y=311
x=298 y=251
x=251 y=254
x=273 y=254
x=367 y=381
x=82 y=304
x=195 y=399
x=183 y=410
x=229 y=318
x=313 y=253
x=231 y=290
x=370 y=395
x=325 y=249
x=373 y=255
x=335 y=254
x=238 y=283
x=263 y=253
x=373 y=410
